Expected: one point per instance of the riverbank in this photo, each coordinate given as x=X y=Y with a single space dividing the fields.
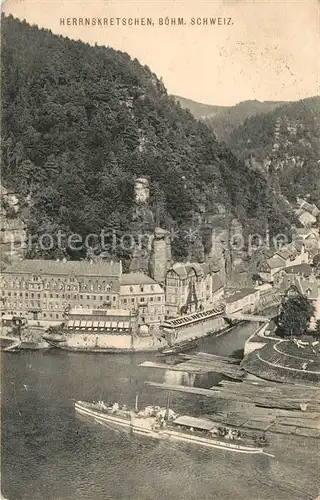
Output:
x=48 y=453
x=280 y=360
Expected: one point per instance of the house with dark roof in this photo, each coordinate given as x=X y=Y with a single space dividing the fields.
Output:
x=270 y=267
x=293 y=254
x=285 y=277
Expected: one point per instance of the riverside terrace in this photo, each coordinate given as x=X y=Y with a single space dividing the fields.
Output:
x=195 y=325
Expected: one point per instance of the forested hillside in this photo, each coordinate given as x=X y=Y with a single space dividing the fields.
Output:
x=224 y=119
x=80 y=123
x=285 y=143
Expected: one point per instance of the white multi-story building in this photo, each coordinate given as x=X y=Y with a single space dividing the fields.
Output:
x=140 y=293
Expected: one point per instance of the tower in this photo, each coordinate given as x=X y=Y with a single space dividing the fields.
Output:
x=160 y=258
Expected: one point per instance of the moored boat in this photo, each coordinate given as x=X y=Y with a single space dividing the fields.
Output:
x=184 y=346
x=164 y=424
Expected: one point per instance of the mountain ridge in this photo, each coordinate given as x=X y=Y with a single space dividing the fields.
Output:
x=224 y=119
x=81 y=123
x=285 y=144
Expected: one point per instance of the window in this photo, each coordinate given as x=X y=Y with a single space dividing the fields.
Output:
x=114 y=299
x=88 y=297
x=27 y=294
x=132 y=301
x=32 y=295
x=131 y=289
x=152 y=288
x=38 y=295
x=141 y=288
x=15 y=294
x=57 y=316
x=94 y=297
x=151 y=299
x=51 y=296
x=101 y=297
x=141 y=299
x=74 y=297
x=125 y=301
x=159 y=299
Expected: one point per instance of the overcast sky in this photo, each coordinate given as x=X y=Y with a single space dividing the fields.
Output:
x=270 y=52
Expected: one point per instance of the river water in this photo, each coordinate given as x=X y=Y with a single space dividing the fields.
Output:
x=49 y=454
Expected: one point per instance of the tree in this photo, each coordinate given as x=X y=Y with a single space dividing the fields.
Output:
x=296 y=313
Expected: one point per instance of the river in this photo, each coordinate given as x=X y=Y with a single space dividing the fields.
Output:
x=48 y=453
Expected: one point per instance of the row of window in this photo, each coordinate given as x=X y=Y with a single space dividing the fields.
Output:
x=142 y=288
x=45 y=315
x=57 y=296
x=126 y=300
x=57 y=286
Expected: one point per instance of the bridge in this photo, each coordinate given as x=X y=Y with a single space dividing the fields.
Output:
x=247 y=317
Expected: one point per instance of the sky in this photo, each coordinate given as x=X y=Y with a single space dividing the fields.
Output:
x=269 y=51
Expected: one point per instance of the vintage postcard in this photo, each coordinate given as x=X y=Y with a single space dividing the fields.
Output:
x=160 y=250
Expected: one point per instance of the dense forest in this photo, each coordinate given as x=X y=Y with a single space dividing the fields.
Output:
x=223 y=120
x=80 y=123
x=286 y=145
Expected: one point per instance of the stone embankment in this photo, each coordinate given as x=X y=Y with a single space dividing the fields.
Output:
x=281 y=360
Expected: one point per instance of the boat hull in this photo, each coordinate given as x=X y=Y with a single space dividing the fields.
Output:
x=139 y=426
x=99 y=350
x=176 y=349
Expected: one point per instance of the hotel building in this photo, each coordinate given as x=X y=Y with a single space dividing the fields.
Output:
x=45 y=290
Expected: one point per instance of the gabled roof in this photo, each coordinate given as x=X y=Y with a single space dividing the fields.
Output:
x=136 y=279
x=289 y=250
x=275 y=261
x=69 y=267
x=305 y=232
x=183 y=269
x=232 y=295
x=302 y=269
x=309 y=288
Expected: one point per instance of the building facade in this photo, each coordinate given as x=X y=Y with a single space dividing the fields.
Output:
x=45 y=290
x=140 y=293
x=245 y=300
x=189 y=288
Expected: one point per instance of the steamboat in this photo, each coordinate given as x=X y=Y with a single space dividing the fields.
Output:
x=164 y=424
